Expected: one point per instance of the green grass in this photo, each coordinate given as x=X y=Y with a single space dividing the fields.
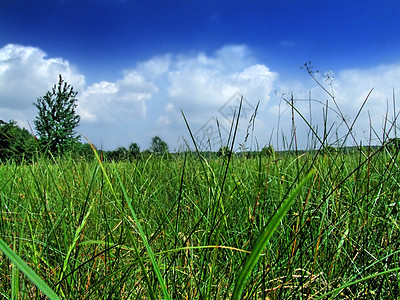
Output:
x=320 y=224
x=181 y=228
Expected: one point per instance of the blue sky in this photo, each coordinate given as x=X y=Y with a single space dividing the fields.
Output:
x=136 y=64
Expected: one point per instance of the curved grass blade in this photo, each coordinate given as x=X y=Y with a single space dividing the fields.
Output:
x=264 y=238
x=142 y=234
x=342 y=287
x=145 y=242
x=21 y=265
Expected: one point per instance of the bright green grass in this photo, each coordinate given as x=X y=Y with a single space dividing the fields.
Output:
x=184 y=227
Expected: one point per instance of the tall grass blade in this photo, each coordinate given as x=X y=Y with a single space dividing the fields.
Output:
x=146 y=243
x=140 y=229
x=21 y=264
x=265 y=237
x=73 y=245
x=14 y=280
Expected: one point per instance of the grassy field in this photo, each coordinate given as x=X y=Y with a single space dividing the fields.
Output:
x=183 y=227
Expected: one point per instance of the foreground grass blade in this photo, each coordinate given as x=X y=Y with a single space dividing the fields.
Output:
x=264 y=238
x=145 y=242
x=142 y=234
x=21 y=264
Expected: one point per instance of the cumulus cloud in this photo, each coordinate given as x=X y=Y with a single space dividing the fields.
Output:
x=96 y=97
x=26 y=74
x=353 y=85
x=148 y=98
x=350 y=88
x=195 y=82
x=155 y=67
x=232 y=58
x=203 y=82
x=122 y=100
x=206 y=87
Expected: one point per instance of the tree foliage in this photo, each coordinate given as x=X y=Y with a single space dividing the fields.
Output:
x=158 y=146
x=57 y=119
x=134 y=150
x=15 y=143
x=83 y=150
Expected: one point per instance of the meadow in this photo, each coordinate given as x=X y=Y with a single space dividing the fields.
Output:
x=321 y=223
x=183 y=226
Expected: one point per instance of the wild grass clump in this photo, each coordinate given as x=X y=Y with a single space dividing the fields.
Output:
x=314 y=224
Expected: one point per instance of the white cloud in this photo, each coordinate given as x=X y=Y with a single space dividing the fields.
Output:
x=356 y=83
x=234 y=57
x=155 y=67
x=134 y=81
x=350 y=88
x=147 y=99
x=255 y=82
x=163 y=121
x=122 y=100
x=169 y=107
x=96 y=98
x=26 y=74
x=203 y=83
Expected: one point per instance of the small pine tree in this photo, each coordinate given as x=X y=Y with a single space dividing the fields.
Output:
x=57 y=119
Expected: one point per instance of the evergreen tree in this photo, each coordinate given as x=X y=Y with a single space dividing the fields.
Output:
x=57 y=119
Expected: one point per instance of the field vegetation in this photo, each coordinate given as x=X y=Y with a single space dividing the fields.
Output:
x=322 y=223
x=185 y=225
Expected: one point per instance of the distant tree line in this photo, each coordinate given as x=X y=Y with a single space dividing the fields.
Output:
x=157 y=147
x=55 y=125
x=18 y=144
